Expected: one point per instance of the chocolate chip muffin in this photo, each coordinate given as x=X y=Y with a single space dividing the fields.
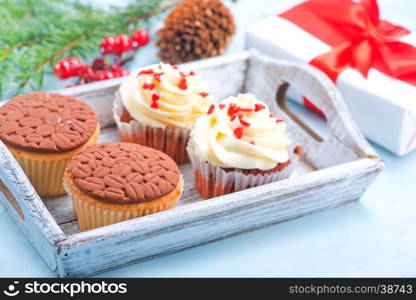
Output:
x=44 y=131
x=114 y=182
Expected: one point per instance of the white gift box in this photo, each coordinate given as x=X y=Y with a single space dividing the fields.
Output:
x=383 y=107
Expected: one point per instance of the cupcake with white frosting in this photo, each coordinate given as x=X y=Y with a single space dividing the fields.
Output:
x=157 y=106
x=238 y=144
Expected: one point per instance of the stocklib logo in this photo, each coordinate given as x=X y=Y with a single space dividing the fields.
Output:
x=12 y=290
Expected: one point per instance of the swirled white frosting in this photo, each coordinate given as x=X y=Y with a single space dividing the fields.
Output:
x=163 y=95
x=252 y=139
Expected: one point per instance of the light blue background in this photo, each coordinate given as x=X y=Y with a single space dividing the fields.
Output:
x=372 y=237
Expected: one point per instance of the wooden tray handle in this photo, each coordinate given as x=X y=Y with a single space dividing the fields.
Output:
x=281 y=101
x=315 y=85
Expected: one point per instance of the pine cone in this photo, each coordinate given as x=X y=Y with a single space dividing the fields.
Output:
x=195 y=29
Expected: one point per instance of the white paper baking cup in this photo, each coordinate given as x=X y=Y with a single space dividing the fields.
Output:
x=171 y=141
x=213 y=181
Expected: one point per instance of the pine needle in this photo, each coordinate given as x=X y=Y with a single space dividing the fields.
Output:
x=34 y=34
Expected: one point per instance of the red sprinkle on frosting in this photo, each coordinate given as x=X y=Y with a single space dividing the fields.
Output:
x=243 y=122
x=156 y=76
x=182 y=84
x=148 y=86
x=279 y=121
x=221 y=106
x=232 y=109
x=252 y=142
x=238 y=132
x=204 y=94
x=183 y=75
x=155 y=97
x=258 y=107
x=145 y=72
x=211 y=109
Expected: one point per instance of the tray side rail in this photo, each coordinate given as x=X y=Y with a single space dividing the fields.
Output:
x=26 y=208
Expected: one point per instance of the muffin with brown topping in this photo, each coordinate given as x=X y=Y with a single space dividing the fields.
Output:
x=44 y=131
x=114 y=182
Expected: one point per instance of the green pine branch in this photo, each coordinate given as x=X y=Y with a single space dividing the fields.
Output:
x=36 y=33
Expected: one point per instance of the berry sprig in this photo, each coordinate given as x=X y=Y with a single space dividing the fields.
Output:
x=102 y=68
x=69 y=67
x=123 y=42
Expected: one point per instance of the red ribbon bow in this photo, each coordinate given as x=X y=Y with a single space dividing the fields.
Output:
x=359 y=39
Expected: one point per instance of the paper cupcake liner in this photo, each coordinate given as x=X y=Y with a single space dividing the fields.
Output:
x=213 y=181
x=46 y=177
x=45 y=171
x=92 y=216
x=171 y=141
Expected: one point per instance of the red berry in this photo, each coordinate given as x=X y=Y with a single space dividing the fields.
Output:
x=89 y=75
x=104 y=75
x=120 y=72
x=141 y=37
x=123 y=44
x=62 y=69
x=77 y=66
x=108 y=45
x=98 y=64
x=115 y=66
x=238 y=132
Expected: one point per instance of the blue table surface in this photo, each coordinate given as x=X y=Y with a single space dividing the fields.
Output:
x=371 y=237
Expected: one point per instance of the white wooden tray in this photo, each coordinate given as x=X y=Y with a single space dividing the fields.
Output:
x=332 y=172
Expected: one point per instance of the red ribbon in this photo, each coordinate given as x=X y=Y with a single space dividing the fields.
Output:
x=359 y=39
